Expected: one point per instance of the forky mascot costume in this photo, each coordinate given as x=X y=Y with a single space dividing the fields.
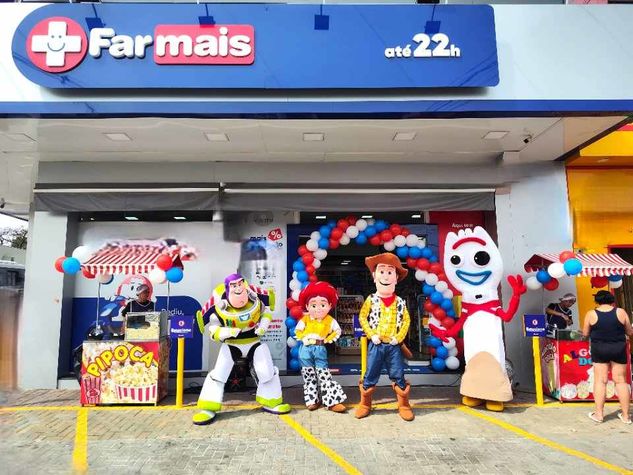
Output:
x=237 y=318
x=473 y=265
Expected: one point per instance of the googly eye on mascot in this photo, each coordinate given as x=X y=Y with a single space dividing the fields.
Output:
x=473 y=265
x=237 y=318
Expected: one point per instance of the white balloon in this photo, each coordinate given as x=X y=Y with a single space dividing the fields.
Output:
x=400 y=241
x=441 y=286
x=82 y=253
x=352 y=232
x=412 y=240
x=312 y=245
x=389 y=246
x=316 y=263
x=532 y=283
x=447 y=294
x=295 y=295
x=361 y=224
x=291 y=342
x=320 y=254
x=423 y=273
x=453 y=352
x=295 y=284
x=294 y=275
x=316 y=235
x=157 y=276
x=556 y=270
x=419 y=275
x=345 y=240
x=104 y=278
x=432 y=279
x=371 y=222
x=452 y=363
x=615 y=285
x=450 y=343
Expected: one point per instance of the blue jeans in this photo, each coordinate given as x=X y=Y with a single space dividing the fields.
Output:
x=313 y=356
x=389 y=356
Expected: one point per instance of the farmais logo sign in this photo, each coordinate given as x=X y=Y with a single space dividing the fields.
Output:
x=59 y=44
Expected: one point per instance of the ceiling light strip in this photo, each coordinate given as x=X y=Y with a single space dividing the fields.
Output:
x=354 y=190
x=125 y=190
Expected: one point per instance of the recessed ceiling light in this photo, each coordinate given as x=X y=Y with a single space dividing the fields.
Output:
x=603 y=160
x=495 y=135
x=416 y=216
x=131 y=218
x=403 y=136
x=180 y=218
x=367 y=216
x=320 y=217
x=216 y=137
x=313 y=137
x=19 y=137
x=92 y=219
x=118 y=137
x=344 y=263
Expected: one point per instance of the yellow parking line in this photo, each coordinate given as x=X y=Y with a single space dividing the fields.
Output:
x=542 y=440
x=80 y=452
x=312 y=440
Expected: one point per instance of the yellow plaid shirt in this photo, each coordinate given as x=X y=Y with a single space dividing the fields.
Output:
x=387 y=323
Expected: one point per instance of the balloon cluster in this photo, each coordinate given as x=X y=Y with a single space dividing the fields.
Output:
x=73 y=264
x=548 y=278
x=393 y=238
x=613 y=281
x=165 y=271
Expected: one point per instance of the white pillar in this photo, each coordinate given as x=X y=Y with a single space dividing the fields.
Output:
x=532 y=217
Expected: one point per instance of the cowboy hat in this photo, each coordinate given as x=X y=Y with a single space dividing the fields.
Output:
x=389 y=259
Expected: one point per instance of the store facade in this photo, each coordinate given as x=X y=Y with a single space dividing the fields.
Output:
x=335 y=79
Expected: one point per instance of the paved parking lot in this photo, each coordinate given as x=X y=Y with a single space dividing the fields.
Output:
x=47 y=432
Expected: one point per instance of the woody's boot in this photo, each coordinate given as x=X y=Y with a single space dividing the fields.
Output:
x=404 y=408
x=364 y=406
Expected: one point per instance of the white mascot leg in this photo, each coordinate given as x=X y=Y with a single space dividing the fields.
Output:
x=268 y=385
x=212 y=394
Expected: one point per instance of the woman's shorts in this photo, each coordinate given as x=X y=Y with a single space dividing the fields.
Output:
x=608 y=352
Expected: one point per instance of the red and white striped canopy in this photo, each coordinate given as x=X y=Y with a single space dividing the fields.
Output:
x=593 y=265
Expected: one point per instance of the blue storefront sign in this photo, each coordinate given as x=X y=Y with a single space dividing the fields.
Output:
x=534 y=325
x=257 y=46
x=181 y=326
x=358 y=330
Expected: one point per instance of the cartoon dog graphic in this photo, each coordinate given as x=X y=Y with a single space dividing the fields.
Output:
x=473 y=265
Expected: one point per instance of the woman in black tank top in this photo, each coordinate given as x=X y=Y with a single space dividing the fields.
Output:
x=608 y=327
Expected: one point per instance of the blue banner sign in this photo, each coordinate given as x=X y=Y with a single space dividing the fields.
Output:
x=257 y=46
x=358 y=330
x=181 y=326
x=534 y=325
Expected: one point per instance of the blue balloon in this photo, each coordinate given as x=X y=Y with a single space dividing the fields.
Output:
x=428 y=289
x=370 y=231
x=381 y=225
x=438 y=364
x=324 y=243
x=415 y=252
x=402 y=252
x=451 y=313
x=304 y=285
x=302 y=276
x=291 y=322
x=331 y=223
x=325 y=231
x=437 y=297
x=298 y=266
x=71 y=265
x=294 y=352
x=294 y=364
x=573 y=266
x=291 y=332
x=433 y=259
x=614 y=278
x=427 y=253
x=446 y=304
x=441 y=352
x=174 y=275
x=361 y=239
x=434 y=342
x=543 y=277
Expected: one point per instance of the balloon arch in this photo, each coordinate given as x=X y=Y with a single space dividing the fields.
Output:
x=393 y=238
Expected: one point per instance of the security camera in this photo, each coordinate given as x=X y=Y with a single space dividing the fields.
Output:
x=2 y=203
x=527 y=139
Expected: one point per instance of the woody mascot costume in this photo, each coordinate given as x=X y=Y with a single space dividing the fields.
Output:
x=385 y=320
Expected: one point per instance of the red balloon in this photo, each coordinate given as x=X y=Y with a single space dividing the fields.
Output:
x=302 y=250
x=87 y=274
x=336 y=233
x=405 y=232
x=313 y=278
x=351 y=219
x=566 y=255
x=386 y=236
x=334 y=243
x=375 y=240
x=395 y=229
x=429 y=306
x=311 y=270
x=342 y=224
x=423 y=264
x=291 y=303
x=164 y=262
x=448 y=322
x=435 y=268
x=442 y=277
x=308 y=258
x=296 y=312
x=439 y=313
x=598 y=282
x=552 y=284
x=58 y=264
x=411 y=262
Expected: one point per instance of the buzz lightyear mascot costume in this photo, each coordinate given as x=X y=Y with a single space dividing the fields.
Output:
x=237 y=318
